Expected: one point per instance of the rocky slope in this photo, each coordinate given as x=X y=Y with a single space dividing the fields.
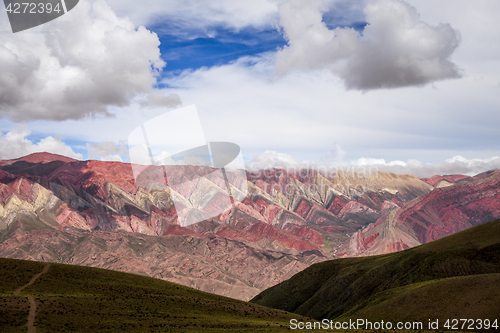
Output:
x=438 y=181
x=442 y=212
x=93 y=213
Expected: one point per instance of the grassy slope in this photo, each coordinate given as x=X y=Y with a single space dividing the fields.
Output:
x=397 y=285
x=474 y=296
x=84 y=299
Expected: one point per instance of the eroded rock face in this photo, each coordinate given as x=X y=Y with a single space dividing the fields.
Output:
x=442 y=212
x=93 y=213
x=450 y=179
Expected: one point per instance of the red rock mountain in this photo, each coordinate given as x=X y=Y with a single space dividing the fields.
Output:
x=440 y=213
x=42 y=158
x=57 y=209
x=438 y=181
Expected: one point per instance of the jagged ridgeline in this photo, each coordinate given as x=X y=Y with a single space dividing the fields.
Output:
x=455 y=277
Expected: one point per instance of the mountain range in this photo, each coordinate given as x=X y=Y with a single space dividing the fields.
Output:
x=92 y=213
x=441 y=283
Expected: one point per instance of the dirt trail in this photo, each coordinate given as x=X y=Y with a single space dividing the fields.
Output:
x=33 y=279
x=31 y=316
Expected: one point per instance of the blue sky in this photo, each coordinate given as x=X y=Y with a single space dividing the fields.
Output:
x=221 y=47
x=408 y=86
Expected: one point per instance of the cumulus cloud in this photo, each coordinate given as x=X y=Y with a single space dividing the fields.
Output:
x=15 y=144
x=454 y=165
x=88 y=60
x=200 y=15
x=107 y=151
x=271 y=159
x=395 y=49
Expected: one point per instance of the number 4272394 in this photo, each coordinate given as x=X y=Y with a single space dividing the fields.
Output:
x=32 y=8
x=471 y=324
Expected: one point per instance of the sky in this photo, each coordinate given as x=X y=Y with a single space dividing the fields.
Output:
x=411 y=87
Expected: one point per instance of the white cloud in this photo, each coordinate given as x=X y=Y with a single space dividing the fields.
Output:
x=368 y=161
x=311 y=44
x=14 y=144
x=107 y=151
x=396 y=48
x=189 y=15
x=112 y=158
x=272 y=159
x=88 y=60
x=454 y=165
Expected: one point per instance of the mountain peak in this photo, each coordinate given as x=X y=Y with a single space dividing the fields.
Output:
x=42 y=157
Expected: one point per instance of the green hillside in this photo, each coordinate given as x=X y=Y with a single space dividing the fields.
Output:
x=454 y=277
x=83 y=299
